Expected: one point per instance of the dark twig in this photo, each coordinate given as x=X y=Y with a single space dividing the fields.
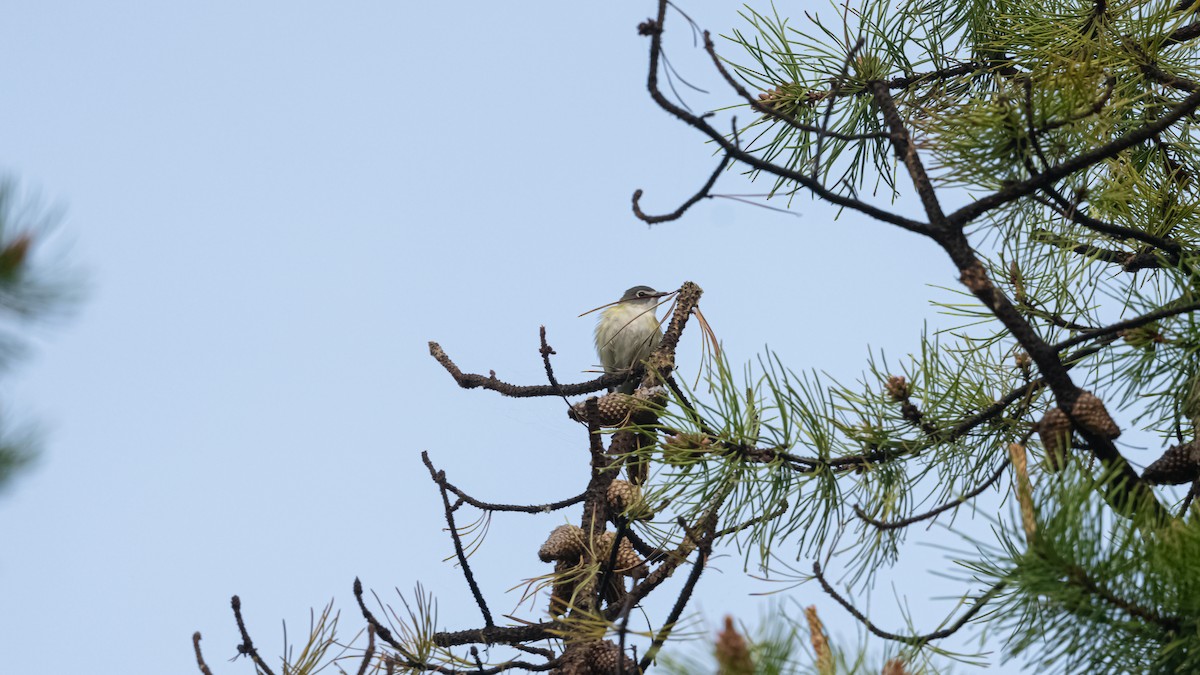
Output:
x=1068 y=210
x=770 y=515
x=1183 y=508
x=906 y=81
x=770 y=111
x=1095 y=109
x=906 y=151
x=381 y=630
x=905 y=522
x=1081 y=161
x=533 y=650
x=1080 y=576
x=1128 y=260
x=749 y=158
x=1113 y=329
x=370 y=651
x=247 y=646
x=685 y=594
x=622 y=631
x=494 y=635
x=199 y=656
x=473 y=381
x=915 y=640
x=703 y=193
x=1184 y=33
x=611 y=563
x=546 y=350
x=488 y=506
x=440 y=479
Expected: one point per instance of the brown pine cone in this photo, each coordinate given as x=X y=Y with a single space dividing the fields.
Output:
x=627 y=559
x=897 y=387
x=1089 y=413
x=626 y=498
x=617 y=408
x=1055 y=432
x=598 y=657
x=687 y=445
x=614 y=409
x=733 y=653
x=564 y=543
x=1179 y=464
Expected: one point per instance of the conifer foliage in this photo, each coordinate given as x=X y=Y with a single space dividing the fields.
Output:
x=1051 y=149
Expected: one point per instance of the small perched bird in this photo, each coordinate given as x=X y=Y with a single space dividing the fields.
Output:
x=627 y=333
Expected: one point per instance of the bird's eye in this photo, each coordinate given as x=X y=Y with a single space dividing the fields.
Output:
x=642 y=294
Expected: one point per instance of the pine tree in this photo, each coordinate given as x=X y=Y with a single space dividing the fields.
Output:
x=1051 y=150
x=29 y=292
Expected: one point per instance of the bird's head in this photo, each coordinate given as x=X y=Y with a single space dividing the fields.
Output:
x=641 y=295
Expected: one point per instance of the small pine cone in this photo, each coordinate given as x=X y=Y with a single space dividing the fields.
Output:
x=1089 y=413
x=1024 y=361
x=733 y=654
x=894 y=667
x=626 y=498
x=897 y=387
x=564 y=543
x=564 y=587
x=622 y=494
x=614 y=410
x=1179 y=464
x=627 y=559
x=599 y=657
x=1055 y=432
x=688 y=444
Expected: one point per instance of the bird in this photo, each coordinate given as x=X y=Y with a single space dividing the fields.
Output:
x=627 y=333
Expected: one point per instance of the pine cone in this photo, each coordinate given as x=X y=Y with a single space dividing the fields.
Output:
x=564 y=543
x=627 y=559
x=733 y=654
x=1055 y=432
x=897 y=387
x=688 y=445
x=1179 y=464
x=598 y=657
x=617 y=408
x=1090 y=414
x=614 y=409
x=626 y=498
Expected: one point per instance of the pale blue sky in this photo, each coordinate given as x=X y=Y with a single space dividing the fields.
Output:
x=276 y=206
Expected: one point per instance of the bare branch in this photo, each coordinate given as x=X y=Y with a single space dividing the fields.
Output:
x=1115 y=328
x=473 y=381
x=933 y=513
x=440 y=478
x=748 y=158
x=703 y=193
x=915 y=640
x=246 y=648
x=199 y=656
x=370 y=651
x=1048 y=177
x=488 y=506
